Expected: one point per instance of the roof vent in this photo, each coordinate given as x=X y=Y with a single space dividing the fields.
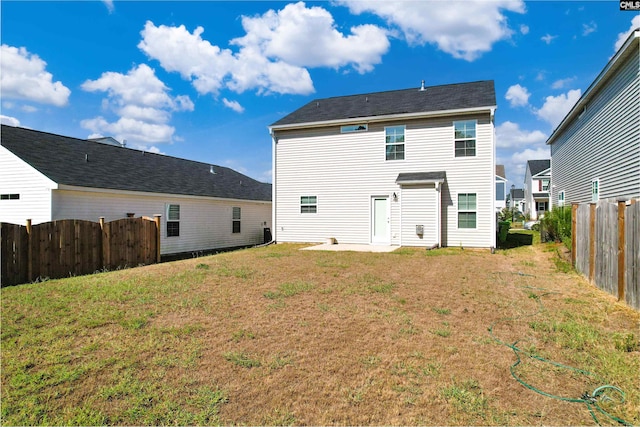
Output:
x=211 y=170
x=422 y=86
x=86 y=157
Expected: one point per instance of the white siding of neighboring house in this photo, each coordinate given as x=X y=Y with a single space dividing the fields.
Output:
x=204 y=223
x=345 y=170
x=18 y=177
x=604 y=143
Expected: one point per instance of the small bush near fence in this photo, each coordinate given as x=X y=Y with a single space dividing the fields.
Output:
x=556 y=226
x=73 y=247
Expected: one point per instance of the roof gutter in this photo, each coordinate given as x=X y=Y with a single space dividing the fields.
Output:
x=613 y=63
x=372 y=119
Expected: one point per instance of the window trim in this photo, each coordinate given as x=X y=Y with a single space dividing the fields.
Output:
x=561 y=200
x=236 y=220
x=395 y=143
x=465 y=140
x=309 y=204
x=468 y=210
x=173 y=223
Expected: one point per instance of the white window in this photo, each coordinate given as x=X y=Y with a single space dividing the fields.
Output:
x=595 y=190
x=308 y=204
x=173 y=220
x=236 y=216
x=542 y=207
x=362 y=127
x=467 y=210
x=545 y=185
x=394 y=142
x=465 y=138
x=9 y=196
x=561 y=198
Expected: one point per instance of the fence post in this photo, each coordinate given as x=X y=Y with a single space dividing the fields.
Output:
x=156 y=218
x=104 y=240
x=574 y=232
x=621 y=248
x=29 y=255
x=592 y=242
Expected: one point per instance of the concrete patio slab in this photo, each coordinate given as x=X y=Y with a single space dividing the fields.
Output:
x=351 y=247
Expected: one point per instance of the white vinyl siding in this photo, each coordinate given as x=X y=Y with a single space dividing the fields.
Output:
x=604 y=142
x=204 y=223
x=306 y=163
x=34 y=189
x=419 y=207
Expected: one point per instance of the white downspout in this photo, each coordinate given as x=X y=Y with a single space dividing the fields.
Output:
x=439 y=215
x=274 y=224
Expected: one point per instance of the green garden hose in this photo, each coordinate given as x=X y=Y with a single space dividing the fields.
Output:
x=592 y=401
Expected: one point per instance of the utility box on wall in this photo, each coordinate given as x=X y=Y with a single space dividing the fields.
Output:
x=419 y=230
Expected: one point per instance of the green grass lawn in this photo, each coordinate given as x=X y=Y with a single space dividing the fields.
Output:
x=279 y=336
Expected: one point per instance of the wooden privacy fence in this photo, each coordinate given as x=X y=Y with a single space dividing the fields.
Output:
x=605 y=240
x=74 y=247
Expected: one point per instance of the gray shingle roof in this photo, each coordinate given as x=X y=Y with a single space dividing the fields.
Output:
x=83 y=163
x=518 y=193
x=537 y=166
x=431 y=99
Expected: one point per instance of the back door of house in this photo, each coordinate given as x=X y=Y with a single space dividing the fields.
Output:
x=380 y=220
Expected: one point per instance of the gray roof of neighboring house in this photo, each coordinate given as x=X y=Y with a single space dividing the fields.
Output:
x=83 y=163
x=500 y=171
x=432 y=99
x=518 y=193
x=537 y=166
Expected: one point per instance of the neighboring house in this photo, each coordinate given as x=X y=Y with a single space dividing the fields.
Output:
x=413 y=167
x=501 y=188
x=45 y=177
x=537 y=182
x=517 y=195
x=595 y=150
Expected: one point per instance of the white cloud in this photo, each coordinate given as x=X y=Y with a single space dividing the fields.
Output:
x=517 y=96
x=23 y=76
x=141 y=102
x=562 y=83
x=28 y=108
x=622 y=37
x=109 y=5
x=272 y=56
x=234 y=105
x=9 y=121
x=555 y=108
x=288 y=34
x=509 y=135
x=524 y=29
x=548 y=38
x=589 y=28
x=516 y=163
x=464 y=32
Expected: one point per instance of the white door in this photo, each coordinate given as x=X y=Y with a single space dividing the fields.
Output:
x=380 y=220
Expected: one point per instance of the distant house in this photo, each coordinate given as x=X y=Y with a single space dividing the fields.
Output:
x=595 y=150
x=501 y=188
x=537 y=182
x=47 y=177
x=412 y=167
x=517 y=199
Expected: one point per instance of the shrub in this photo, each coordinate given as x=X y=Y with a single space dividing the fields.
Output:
x=556 y=225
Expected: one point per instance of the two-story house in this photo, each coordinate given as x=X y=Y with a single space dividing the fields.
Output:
x=412 y=167
x=595 y=150
x=537 y=182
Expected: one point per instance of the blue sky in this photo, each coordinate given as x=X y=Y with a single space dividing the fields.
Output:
x=203 y=80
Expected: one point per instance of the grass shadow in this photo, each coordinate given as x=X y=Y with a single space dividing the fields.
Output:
x=517 y=238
